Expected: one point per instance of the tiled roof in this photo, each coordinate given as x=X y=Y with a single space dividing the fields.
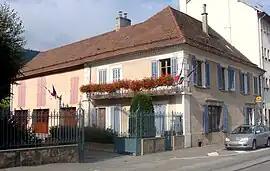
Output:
x=167 y=28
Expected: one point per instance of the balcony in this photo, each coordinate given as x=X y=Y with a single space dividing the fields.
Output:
x=164 y=85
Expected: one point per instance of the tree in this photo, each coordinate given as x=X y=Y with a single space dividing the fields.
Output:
x=11 y=48
x=142 y=117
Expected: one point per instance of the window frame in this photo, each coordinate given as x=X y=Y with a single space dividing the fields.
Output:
x=102 y=78
x=213 y=118
x=167 y=66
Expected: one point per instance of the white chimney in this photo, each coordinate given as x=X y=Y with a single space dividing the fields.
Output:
x=205 y=20
x=122 y=21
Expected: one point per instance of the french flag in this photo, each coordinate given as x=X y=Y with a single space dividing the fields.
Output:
x=53 y=92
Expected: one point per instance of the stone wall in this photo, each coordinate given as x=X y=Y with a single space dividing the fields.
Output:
x=153 y=145
x=39 y=155
x=178 y=142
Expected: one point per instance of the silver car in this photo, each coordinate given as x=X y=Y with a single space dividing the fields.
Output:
x=248 y=137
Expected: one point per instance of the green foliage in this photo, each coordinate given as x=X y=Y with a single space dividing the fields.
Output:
x=5 y=103
x=142 y=118
x=11 y=48
x=98 y=135
x=69 y=134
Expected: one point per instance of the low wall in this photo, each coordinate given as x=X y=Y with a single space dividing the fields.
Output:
x=98 y=147
x=178 y=142
x=152 y=145
x=157 y=144
x=39 y=155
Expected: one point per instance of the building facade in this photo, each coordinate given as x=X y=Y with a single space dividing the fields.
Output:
x=246 y=27
x=216 y=95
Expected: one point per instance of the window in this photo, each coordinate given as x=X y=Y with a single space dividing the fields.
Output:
x=222 y=78
x=255 y=82
x=264 y=52
x=244 y=79
x=268 y=51
x=214 y=114
x=266 y=83
x=201 y=73
x=231 y=78
x=67 y=116
x=102 y=76
x=116 y=74
x=165 y=66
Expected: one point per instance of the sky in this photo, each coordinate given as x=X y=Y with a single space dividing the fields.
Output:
x=52 y=23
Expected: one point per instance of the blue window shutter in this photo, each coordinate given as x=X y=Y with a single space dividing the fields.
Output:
x=194 y=74
x=112 y=109
x=205 y=120
x=174 y=68
x=117 y=111
x=233 y=77
x=219 y=76
x=245 y=113
x=255 y=85
x=225 y=118
x=230 y=80
x=207 y=74
x=154 y=69
x=248 y=83
x=241 y=82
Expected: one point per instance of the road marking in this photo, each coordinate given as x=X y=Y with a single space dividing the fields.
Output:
x=240 y=152
x=213 y=154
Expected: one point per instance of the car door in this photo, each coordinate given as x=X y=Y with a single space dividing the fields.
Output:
x=262 y=136
x=258 y=136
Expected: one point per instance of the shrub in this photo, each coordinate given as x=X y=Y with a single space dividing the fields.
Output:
x=142 y=118
x=64 y=134
x=98 y=135
x=68 y=135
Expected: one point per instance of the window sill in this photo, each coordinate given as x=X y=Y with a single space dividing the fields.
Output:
x=201 y=87
x=244 y=94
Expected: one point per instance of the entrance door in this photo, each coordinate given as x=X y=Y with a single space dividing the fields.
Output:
x=41 y=121
x=101 y=121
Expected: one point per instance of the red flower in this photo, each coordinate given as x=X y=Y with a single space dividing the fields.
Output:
x=136 y=85
x=124 y=84
x=148 y=83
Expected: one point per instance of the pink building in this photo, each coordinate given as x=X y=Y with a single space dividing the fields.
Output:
x=214 y=99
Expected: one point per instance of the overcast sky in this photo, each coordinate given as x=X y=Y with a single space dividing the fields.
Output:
x=52 y=23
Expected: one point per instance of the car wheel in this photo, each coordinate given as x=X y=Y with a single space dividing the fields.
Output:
x=267 y=143
x=254 y=145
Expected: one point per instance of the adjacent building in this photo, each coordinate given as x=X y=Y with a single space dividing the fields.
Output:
x=247 y=27
x=216 y=96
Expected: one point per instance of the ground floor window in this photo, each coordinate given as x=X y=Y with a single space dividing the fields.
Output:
x=67 y=116
x=214 y=115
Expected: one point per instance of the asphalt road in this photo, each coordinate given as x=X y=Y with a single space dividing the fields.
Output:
x=259 y=167
x=168 y=161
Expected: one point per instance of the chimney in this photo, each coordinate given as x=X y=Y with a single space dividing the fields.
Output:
x=122 y=21
x=205 y=20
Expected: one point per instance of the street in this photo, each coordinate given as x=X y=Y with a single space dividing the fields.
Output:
x=192 y=159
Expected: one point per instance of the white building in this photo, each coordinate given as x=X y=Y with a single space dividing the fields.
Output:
x=246 y=27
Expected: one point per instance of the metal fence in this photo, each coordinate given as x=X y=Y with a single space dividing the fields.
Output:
x=143 y=125
x=40 y=127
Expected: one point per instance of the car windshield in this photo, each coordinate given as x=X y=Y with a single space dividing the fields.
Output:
x=243 y=130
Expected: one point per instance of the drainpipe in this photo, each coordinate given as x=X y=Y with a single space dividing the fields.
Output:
x=261 y=78
x=89 y=98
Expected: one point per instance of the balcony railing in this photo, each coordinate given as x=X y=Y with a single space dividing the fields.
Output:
x=122 y=93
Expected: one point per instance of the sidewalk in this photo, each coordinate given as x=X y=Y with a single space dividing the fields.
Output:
x=103 y=160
